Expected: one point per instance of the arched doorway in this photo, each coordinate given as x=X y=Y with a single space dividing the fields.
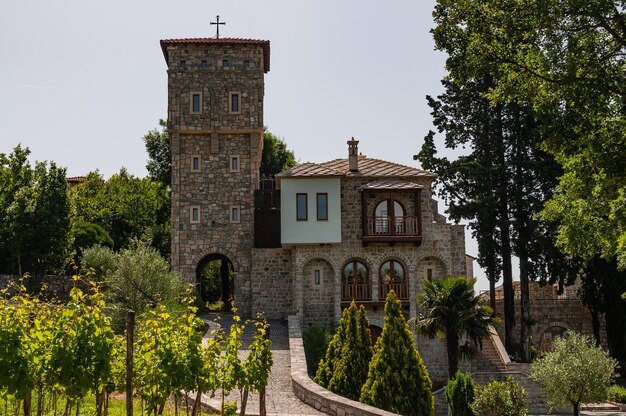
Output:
x=215 y=279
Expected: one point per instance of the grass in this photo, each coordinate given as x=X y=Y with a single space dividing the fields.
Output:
x=87 y=407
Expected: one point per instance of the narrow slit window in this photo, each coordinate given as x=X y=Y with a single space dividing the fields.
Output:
x=234 y=163
x=204 y=64
x=194 y=214
x=234 y=214
x=182 y=64
x=301 y=207
x=195 y=103
x=225 y=63
x=317 y=277
x=246 y=65
x=234 y=103
x=195 y=164
x=322 y=207
x=429 y=274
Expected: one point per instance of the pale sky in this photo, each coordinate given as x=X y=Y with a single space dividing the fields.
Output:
x=81 y=81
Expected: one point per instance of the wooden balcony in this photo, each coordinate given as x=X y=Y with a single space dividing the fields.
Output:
x=401 y=289
x=356 y=291
x=392 y=230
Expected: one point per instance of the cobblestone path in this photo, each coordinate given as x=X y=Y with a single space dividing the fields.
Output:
x=280 y=399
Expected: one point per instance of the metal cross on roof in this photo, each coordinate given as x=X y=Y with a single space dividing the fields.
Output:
x=218 y=23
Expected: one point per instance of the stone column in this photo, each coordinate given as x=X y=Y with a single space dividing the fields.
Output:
x=337 y=294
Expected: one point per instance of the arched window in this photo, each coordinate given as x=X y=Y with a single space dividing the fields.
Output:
x=392 y=276
x=389 y=217
x=355 y=282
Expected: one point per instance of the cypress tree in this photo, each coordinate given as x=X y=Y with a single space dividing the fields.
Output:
x=344 y=369
x=397 y=379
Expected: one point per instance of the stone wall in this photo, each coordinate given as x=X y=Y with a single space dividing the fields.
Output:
x=551 y=313
x=272 y=282
x=214 y=135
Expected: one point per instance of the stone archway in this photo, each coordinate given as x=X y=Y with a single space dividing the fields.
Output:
x=215 y=279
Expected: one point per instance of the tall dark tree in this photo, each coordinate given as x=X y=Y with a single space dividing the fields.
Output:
x=476 y=186
x=500 y=187
x=34 y=215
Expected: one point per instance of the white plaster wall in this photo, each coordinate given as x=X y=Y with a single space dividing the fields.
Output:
x=311 y=231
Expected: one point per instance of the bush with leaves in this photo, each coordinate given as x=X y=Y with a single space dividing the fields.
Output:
x=230 y=370
x=617 y=393
x=82 y=345
x=168 y=355
x=315 y=340
x=574 y=372
x=397 y=379
x=134 y=278
x=257 y=365
x=500 y=398
x=460 y=394
x=344 y=369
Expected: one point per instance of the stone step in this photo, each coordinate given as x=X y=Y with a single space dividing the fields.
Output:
x=605 y=407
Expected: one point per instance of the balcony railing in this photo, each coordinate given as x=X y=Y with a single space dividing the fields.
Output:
x=356 y=291
x=392 y=229
x=401 y=289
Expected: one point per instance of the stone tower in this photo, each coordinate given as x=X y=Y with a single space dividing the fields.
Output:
x=215 y=123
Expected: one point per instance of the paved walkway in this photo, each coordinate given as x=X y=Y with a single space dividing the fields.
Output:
x=279 y=397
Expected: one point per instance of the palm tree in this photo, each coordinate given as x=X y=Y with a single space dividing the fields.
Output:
x=450 y=310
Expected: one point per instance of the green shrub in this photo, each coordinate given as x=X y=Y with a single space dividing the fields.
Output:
x=344 y=368
x=315 y=341
x=460 y=394
x=574 y=372
x=397 y=379
x=500 y=398
x=617 y=393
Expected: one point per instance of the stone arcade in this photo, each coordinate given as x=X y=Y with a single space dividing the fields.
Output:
x=323 y=234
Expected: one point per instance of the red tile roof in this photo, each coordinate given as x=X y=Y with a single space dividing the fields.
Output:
x=265 y=44
x=309 y=169
x=391 y=184
x=368 y=167
x=75 y=179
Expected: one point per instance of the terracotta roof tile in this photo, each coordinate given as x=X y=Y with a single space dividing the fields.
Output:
x=377 y=168
x=309 y=169
x=391 y=184
x=221 y=41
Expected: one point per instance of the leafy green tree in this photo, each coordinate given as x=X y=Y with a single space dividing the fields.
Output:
x=574 y=372
x=34 y=222
x=601 y=287
x=397 y=378
x=136 y=278
x=159 y=164
x=85 y=235
x=275 y=157
x=460 y=394
x=500 y=187
x=451 y=310
x=127 y=207
x=230 y=369
x=315 y=340
x=565 y=58
x=344 y=369
x=500 y=398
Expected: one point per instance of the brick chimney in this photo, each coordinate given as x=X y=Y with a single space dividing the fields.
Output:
x=353 y=155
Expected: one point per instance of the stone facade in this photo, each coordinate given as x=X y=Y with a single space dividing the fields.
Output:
x=206 y=132
x=297 y=279
x=551 y=313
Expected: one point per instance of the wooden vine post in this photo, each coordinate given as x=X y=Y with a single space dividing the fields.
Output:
x=130 y=330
